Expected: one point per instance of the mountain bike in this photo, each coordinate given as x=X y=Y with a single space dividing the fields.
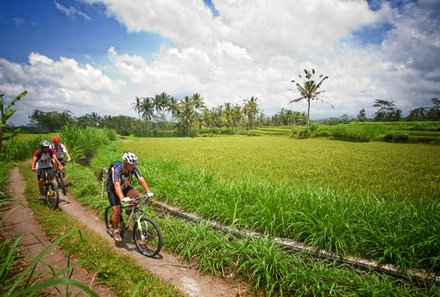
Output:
x=146 y=233
x=50 y=184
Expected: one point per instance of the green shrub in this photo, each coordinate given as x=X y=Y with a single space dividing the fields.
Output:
x=83 y=142
x=398 y=137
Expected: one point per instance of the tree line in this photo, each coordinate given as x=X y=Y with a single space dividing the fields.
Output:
x=164 y=115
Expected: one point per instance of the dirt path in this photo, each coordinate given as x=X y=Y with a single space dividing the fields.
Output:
x=23 y=221
x=167 y=267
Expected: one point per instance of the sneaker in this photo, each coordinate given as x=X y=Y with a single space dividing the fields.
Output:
x=41 y=197
x=117 y=236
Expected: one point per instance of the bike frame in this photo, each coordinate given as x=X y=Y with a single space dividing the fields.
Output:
x=136 y=212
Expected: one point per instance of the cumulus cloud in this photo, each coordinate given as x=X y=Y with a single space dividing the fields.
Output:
x=251 y=48
x=59 y=85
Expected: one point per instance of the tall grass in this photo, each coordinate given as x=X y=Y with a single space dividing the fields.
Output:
x=267 y=267
x=22 y=150
x=17 y=279
x=400 y=232
x=82 y=142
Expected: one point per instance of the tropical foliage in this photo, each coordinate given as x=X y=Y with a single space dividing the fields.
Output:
x=6 y=111
x=309 y=90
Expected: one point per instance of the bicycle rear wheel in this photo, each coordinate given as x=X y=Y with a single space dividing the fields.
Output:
x=147 y=237
x=52 y=195
x=108 y=220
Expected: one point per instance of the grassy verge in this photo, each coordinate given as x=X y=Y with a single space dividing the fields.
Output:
x=118 y=272
x=270 y=269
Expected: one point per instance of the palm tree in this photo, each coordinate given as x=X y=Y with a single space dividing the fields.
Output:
x=250 y=110
x=147 y=110
x=160 y=102
x=237 y=116
x=137 y=106
x=309 y=91
x=172 y=107
x=186 y=114
x=197 y=101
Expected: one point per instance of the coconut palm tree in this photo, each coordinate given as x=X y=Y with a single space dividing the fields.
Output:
x=137 y=106
x=186 y=114
x=309 y=91
x=197 y=102
x=147 y=110
x=250 y=110
x=172 y=107
x=237 y=116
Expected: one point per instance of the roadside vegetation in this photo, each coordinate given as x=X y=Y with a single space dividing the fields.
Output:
x=322 y=199
x=120 y=273
x=269 y=268
x=18 y=276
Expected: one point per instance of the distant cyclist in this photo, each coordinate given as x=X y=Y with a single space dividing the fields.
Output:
x=60 y=149
x=44 y=159
x=118 y=186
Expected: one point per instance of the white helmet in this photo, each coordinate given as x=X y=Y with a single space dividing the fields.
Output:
x=44 y=143
x=130 y=158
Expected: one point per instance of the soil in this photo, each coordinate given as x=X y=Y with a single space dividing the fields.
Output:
x=167 y=267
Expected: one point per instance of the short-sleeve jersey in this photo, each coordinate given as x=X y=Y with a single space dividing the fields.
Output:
x=44 y=160
x=60 y=150
x=116 y=174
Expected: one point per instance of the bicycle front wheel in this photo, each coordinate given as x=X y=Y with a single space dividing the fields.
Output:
x=52 y=195
x=61 y=183
x=147 y=236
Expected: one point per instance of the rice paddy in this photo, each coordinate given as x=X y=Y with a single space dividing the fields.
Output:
x=385 y=170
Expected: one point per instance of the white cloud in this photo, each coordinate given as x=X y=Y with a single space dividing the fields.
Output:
x=253 y=48
x=59 y=85
x=71 y=11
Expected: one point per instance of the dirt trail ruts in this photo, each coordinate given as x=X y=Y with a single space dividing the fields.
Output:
x=167 y=267
x=22 y=221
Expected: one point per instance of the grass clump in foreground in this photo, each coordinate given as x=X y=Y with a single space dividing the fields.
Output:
x=118 y=272
x=17 y=278
x=267 y=267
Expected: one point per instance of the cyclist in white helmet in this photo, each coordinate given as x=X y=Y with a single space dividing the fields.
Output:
x=44 y=159
x=118 y=186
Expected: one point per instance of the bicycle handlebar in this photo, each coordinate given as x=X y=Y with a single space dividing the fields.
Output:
x=136 y=200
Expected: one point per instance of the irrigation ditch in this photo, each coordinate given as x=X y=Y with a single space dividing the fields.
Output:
x=418 y=276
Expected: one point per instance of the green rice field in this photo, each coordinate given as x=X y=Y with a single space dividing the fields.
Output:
x=373 y=200
x=382 y=169
x=312 y=191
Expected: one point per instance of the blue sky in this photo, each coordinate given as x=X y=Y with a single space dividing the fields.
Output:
x=97 y=55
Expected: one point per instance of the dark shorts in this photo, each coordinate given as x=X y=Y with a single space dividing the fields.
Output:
x=114 y=199
x=40 y=172
x=62 y=161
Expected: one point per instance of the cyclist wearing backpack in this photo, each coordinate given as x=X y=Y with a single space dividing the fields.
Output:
x=118 y=186
x=60 y=149
x=44 y=159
